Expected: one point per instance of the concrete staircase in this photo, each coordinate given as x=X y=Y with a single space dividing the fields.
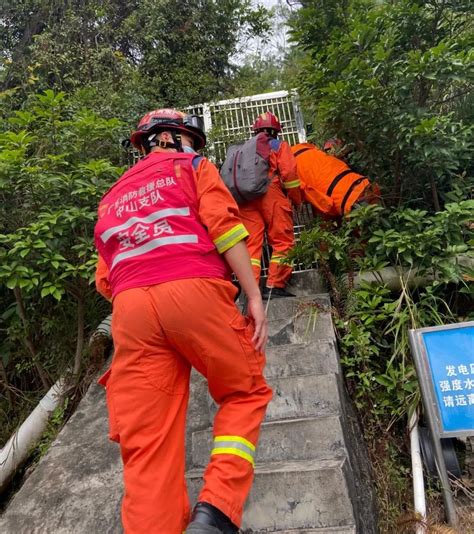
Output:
x=311 y=473
x=306 y=480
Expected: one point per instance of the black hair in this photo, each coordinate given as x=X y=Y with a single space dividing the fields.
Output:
x=269 y=131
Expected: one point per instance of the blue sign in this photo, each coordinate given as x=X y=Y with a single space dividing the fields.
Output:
x=450 y=356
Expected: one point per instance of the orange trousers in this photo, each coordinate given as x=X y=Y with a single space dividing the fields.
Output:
x=159 y=332
x=271 y=212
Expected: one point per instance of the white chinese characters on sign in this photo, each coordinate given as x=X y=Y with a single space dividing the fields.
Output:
x=162 y=227
x=140 y=233
x=462 y=383
x=125 y=240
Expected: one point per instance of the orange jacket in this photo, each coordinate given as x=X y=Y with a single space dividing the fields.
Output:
x=328 y=183
x=218 y=212
x=282 y=168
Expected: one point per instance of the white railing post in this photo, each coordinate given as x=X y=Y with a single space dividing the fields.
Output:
x=417 y=470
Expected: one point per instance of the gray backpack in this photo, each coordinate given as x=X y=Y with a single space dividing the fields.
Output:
x=245 y=169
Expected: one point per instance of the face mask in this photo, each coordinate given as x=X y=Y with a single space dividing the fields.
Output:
x=189 y=150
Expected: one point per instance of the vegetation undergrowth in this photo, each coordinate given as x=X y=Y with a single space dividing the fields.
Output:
x=421 y=265
x=52 y=175
x=393 y=81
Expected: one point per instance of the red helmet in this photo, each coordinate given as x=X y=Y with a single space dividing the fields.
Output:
x=164 y=119
x=333 y=143
x=266 y=121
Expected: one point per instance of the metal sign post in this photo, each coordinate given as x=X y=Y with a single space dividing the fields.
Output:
x=444 y=360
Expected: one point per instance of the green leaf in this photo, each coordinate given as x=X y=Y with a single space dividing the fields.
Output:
x=12 y=282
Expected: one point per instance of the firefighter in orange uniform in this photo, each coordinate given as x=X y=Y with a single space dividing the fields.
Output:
x=272 y=212
x=168 y=236
x=328 y=183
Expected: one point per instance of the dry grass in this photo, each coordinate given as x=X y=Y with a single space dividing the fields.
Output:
x=390 y=459
x=409 y=523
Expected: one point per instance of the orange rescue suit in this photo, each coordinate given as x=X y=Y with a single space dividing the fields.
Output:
x=160 y=332
x=328 y=183
x=272 y=212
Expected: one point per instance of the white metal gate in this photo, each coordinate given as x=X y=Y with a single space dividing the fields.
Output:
x=229 y=121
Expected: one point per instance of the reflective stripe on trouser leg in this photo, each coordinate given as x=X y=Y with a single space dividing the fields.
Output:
x=256 y=267
x=279 y=259
x=279 y=270
x=278 y=215
x=255 y=225
x=236 y=445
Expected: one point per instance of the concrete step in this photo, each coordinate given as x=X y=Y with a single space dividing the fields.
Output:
x=77 y=486
x=300 y=396
x=317 y=357
x=303 y=396
x=296 y=439
x=294 y=495
x=307 y=283
x=283 y=361
x=299 y=319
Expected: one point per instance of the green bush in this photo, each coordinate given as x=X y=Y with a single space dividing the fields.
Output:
x=54 y=168
x=394 y=80
x=372 y=320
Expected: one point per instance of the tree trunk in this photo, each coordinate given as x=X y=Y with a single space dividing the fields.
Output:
x=398 y=179
x=6 y=385
x=45 y=380
x=434 y=192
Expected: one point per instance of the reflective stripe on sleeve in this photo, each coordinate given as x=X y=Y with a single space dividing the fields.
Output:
x=235 y=445
x=230 y=238
x=291 y=185
x=256 y=262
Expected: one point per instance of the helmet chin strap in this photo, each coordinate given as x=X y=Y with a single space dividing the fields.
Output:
x=271 y=132
x=152 y=141
x=177 y=141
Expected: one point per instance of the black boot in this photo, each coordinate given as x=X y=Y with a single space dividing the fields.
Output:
x=208 y=519
x=275 y=293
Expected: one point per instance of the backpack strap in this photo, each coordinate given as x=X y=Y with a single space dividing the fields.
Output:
x=336 y=180
x=275 y=144
x=196 y=161
x=301 y=150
